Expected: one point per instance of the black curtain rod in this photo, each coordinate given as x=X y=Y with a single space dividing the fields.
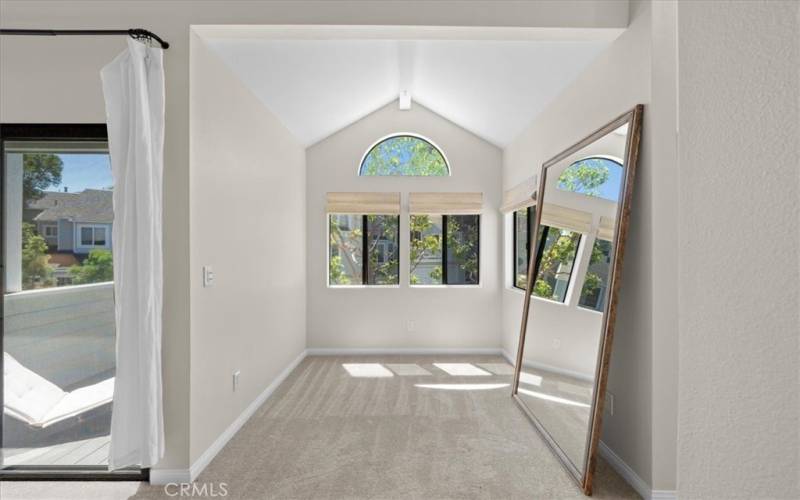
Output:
x=137 y=33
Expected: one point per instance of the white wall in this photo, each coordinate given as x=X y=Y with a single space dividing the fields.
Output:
x=613 y=84
x=248 y=222
x=739 y=401
x=444 y=317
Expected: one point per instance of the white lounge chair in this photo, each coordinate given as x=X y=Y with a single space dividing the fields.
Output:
x=36 y=401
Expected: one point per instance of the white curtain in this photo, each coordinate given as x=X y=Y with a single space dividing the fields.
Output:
x=133 y=86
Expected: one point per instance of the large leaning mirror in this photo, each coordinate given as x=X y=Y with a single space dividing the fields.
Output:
x=576 y=243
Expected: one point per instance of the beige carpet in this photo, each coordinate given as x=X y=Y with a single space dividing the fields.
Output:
x=327 y=434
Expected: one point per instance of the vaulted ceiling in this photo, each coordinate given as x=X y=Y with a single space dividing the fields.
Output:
x=491 y=88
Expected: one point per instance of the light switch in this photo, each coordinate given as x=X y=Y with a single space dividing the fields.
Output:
x=208 y=276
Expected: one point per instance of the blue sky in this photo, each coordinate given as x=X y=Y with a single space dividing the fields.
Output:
x=611 y=188
x=82 y=171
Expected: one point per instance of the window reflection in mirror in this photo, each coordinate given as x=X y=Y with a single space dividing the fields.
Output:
x=573 y=248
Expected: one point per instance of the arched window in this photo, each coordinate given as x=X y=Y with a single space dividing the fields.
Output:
x=404 y=154
x=598 y=176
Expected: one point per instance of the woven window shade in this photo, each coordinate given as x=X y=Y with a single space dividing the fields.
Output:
x=606 y=229
x=566 y=218
x=363 y=203
x=445 y=203
x=523 y=195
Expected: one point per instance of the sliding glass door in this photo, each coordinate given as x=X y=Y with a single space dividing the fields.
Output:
x=58 y=334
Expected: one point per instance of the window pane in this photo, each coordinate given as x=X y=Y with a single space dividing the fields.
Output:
x=462 y=249
x=521 y=248
x=593 y=293
x=593 y=176
x=100 y=236
x=383 y=267
x=86 y=236
x=404 y=155
x=426 y=250
x=557 y=261
x=60 y=193
x=345 y=250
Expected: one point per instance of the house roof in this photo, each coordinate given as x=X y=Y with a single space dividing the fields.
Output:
x=90 y=205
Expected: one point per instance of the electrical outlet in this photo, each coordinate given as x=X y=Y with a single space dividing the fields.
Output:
x=208 y=276
x=608 y=406
x=236 y=380
x=411 y=326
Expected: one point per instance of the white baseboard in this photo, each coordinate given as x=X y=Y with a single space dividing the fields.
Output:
x=170 y=476
x=663 y=495
x=388 y=351
x=619 y=465
x=554 y=369
x=632 y=478
x=166 y=476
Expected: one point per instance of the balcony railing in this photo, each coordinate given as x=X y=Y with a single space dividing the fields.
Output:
x=65 y=334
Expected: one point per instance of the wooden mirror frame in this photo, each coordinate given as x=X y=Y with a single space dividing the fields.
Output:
x=634 y=120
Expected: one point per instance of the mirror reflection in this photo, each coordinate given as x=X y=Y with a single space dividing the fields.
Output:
x=574 y=244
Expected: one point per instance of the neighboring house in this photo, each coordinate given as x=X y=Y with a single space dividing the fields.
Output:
x=72 y=224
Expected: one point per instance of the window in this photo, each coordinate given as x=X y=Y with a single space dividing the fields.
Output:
x=593 y=176
x=57 y=191
x=93 y=236
x=383 y=264
x=452 y=260
x=461 y=249
x=87 y=236
x=426 y=250
x=594 y=285
x=555 y=262
x=353 y=236
x=557 y=252
x=523 y=221
x=404 y=155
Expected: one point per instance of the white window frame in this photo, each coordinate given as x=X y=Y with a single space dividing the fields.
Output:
x=94 y=228
x=479 y=284
x=46 y=227
x=328 y=255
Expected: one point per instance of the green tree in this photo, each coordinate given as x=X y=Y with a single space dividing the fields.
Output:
x=560 y=248
x=585 y=176
x=336 y=271
x=349 y=251
x=404 y=155
x=591 y=285
x=462 y=244
x=97 y=268
x=423 y=244
x=382 y=228
x=40 y=171
x=348 y=242
x=542 y=288
x=36 y=270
